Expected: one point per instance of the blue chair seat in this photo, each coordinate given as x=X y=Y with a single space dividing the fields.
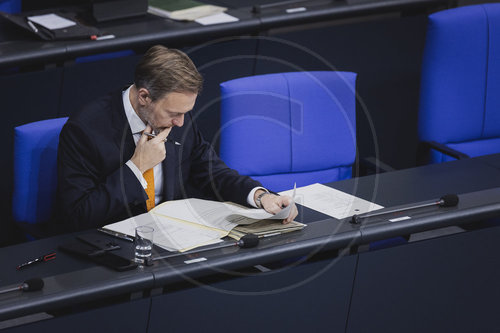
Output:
x=35 y=170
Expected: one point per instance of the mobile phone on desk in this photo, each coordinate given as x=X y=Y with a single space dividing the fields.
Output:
x=108 y=259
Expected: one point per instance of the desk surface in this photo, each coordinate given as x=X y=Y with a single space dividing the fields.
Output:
x=72 y=281
x=19 y=48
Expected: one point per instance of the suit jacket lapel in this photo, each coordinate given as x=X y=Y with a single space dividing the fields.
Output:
x=169 y=171
x=122 y=133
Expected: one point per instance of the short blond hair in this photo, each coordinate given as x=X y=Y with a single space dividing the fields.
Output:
x=162 y=70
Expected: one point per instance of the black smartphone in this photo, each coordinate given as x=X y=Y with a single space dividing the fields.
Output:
x=114 y=261
x=107 y=259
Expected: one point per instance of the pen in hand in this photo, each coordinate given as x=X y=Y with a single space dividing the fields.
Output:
x=43 y=258
x=166 y=140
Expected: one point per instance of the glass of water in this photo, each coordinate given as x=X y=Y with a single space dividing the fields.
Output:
x=143 y=243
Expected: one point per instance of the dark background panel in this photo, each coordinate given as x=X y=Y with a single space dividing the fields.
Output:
x=270 y=302
x=447 y=284
x=386 y=54
x=219 y=61
x=84 y=82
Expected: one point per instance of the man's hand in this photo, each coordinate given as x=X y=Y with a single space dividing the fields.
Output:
x=274 y=203
x=149 y=152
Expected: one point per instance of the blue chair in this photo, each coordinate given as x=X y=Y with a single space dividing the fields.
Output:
x=290 y=127
x=459 y=112
x=35 y=172
x=10 y=6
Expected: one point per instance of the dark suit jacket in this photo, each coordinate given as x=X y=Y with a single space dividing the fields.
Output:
x=96 y=188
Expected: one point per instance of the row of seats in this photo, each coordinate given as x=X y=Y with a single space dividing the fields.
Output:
x=300 y=127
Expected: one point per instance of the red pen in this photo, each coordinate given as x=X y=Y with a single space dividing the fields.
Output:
x=43 y=258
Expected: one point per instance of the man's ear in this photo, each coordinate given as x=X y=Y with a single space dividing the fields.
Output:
x=143 y=96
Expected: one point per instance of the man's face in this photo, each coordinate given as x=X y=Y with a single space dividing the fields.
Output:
x=168 y=111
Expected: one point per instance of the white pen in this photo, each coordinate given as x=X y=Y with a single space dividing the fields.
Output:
x=32 y=26
x=105 y=37
x=166 y=140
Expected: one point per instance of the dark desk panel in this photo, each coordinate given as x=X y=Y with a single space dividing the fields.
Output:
x=493 y=160
x=447 y=284
x=472 y=209
x=317 y=237
x=313 y=297
x=423 y=183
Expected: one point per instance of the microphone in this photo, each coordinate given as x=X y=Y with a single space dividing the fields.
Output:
x=34 y=284
x=245 y=242
x=448 y=200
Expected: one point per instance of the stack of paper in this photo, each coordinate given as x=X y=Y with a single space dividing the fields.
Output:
x=181 y=225
x=183 y=10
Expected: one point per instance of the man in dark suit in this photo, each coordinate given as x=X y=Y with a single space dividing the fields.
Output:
x=128 y=151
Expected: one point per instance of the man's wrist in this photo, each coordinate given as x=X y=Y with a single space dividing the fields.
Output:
x=259 y=194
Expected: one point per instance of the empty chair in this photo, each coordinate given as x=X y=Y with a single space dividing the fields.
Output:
x=459 y=112
x=290 y=127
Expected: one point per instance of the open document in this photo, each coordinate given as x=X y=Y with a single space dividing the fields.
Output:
x=330 y=201
x=181 y=225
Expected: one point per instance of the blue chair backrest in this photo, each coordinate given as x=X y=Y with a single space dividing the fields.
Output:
x=459 y=102
x=35 y=170
x=10 y=6
x=290 y=127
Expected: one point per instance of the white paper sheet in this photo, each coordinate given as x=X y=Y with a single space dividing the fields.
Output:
x=216 y=19
x=169 y=234
x=51 y=21
x=330 y=201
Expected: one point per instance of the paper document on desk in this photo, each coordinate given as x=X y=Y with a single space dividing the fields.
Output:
x=183 y=10
x=52 y=21
x=331 y=202
x=216 y=19
x=185 y=224
x=221 y=215
x=169 y=234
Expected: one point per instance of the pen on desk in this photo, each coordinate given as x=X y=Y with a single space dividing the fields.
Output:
x=95 y=37
x=105 y=37
x=296 y=10
x=116 y=234
x=43 y=258
x=32 y=26
x=166 y=140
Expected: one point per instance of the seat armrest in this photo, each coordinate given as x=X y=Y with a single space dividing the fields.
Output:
x=445 y=150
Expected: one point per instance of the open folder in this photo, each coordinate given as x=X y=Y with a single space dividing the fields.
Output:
x=181 y=225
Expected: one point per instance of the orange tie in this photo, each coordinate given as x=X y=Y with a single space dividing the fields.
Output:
x=150 y=190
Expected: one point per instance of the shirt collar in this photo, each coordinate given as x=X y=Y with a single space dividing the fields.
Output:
x=137 y=126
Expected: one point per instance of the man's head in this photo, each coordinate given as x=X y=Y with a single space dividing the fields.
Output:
x=166 y=86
